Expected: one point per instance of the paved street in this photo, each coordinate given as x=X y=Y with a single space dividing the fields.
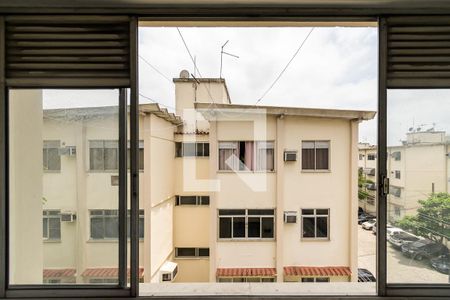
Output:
x=400 y=268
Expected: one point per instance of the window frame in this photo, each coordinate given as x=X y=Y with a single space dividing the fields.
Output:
x=246 y=216
x=45 y=148
x=47 y=215
x=315 y=215
x=255 y=156
x=315 y=170
x=180 y=146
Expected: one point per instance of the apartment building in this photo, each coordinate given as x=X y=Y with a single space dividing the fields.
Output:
x=367 y=163
x=416 y=168
x=228 y=192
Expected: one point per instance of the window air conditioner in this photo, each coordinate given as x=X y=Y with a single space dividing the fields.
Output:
x=290 y=155
x=168 y=271
x=68 y=217
x=69 y=151
x=290 y=217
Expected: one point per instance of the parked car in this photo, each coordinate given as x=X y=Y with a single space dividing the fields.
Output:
x=389 y=229
x=399 y=238
x=369 y=224
x=364 y=218
x=423 y=249
x=365 y=275
x=441 y=263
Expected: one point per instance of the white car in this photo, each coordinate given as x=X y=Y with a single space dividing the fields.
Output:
x=369 y=224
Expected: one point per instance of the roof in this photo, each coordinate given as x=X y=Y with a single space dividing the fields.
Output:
x=245 y=272
x=81 y=113
x=317 y=271
x=206 y=80
x=57 y=273
x=207 y=108
x=107 y=272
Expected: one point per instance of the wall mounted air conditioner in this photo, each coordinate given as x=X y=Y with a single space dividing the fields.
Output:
x=290 y=155
x=168 y=271
x=290 y=217
x=68 y=150
x=68 y=216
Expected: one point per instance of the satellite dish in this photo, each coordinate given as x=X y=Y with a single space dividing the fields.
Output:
x=184 y=74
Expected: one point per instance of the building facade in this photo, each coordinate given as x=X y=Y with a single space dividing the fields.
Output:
x=228 y=193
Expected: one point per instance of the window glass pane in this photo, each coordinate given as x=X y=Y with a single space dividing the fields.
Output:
x=185 y=251
x=322 y=159
x=231 y=212
x=322 y=279
x=199 y=148
x=206 y=149
x=238 y=227
x=267 y=227
x=260 y=212
x=203 y=252
x=418 y=167
x=60 y=142
x=204 y=200
x=322 y=227
x=309 y=225
x=178 y=149
x=254 y=227
x=188 y=200
x=188 y=149
x=308 y=158
x=224 y=228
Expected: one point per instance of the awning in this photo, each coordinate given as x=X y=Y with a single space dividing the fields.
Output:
x=246 y=272
x=107 y=272
x=316 y=271
x=57 y=273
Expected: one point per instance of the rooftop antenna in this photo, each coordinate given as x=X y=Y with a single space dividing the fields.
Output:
x=195 y=65
x=221 y=57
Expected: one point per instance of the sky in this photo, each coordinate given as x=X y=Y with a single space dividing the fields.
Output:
x=335 y=68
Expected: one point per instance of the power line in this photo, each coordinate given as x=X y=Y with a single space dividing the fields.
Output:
x=154 y=101
x=282 y=72
x=154 y=68
x=189 y=52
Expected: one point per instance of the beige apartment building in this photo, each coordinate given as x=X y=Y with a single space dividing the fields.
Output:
x=367 y=163
x=416 y=168
x=228 y=192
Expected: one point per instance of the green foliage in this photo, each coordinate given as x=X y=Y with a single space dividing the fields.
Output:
x=432 y=220
x=362 y=184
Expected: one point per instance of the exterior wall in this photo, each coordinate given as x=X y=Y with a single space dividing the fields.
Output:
x=319 y=190
x=368 y=205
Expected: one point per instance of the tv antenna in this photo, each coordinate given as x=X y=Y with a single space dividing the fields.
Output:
x=221 y=57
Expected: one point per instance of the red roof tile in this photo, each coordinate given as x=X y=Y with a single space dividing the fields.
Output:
x=107 y=272
x=316 y=271
x=245 y=272
x=57 y=273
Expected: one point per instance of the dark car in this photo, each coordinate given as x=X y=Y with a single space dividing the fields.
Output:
x=365 y=275
x=441 y=263
x=397 y=239
x=423 y=249
x=364 y=218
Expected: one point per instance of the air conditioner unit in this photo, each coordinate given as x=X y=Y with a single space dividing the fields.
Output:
x=290 y=155
x=68 y=217
x=168 y=271
x=290 y=217
x=68 y=150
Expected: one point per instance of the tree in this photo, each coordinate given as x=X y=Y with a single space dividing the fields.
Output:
x=363 y=194
x=432 y=219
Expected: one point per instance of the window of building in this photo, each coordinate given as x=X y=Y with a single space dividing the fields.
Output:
x=104 y=155
x=315 y=279
x=245 y=156
x=246 y=223
x=397 y=211
x=104 y=224
x=315 y=155
x=371 y=156
x=191 y=149
x=361 y=156
x=315 y=223
x=51 y=157
x=191 y=200
x=51 y=225
x=191 y=252
x=397 y=174
x=395 y=191
x=397 y=155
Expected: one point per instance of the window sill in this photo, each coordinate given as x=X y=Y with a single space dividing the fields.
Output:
x=95 y=241
x=52 y=241
x=315 y=239
x=191 y=258
x=247 y=240
x=52 y=171
x=243 y=171
x=316 y=171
